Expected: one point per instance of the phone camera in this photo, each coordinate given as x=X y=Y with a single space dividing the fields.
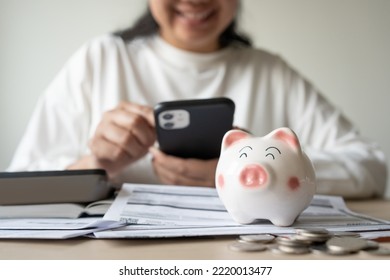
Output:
x=167 y=116
x=168 y=125
x=174 y=119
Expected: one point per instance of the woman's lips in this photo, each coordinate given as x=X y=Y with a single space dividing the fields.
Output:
x=195 y=17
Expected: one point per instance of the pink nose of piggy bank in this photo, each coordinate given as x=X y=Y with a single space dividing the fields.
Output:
x=266 y=177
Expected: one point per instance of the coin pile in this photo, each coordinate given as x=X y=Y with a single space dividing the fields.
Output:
x=252 y=243
x=307 y=240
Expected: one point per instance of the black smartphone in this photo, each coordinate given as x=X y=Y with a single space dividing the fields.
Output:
x=73 y=186
x=193 y=128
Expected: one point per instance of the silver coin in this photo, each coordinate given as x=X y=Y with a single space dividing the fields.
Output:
x=257 y=238
x=313 y=234
x=275 y=250
x=323 y=249
x=312 y=231
x=247 y=247
x=341 y=244
x=294 y=250
x=291 y=241
x=371 y=245
x=313 y=238
x=381 y=251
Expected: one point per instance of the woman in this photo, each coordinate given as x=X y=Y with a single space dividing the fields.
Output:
x=98 y=113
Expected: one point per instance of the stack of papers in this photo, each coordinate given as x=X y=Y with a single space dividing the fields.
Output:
x=158 y=211
x=52 y=228
x=53 y=221
x=154 y=211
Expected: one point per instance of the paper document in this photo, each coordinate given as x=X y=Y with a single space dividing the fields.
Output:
x=55 y=210
x=47 y=224
x=152 y=211
x=55 y=233
x=53 y=228
x=53 y=221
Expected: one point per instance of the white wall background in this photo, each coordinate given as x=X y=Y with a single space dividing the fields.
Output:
x=342 y=46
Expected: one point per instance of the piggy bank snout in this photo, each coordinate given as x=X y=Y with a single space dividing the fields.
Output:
x=253 y=175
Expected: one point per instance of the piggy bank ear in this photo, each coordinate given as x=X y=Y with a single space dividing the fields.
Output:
x=288 y=136
x=233 y=136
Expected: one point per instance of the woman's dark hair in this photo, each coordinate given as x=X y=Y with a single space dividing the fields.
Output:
x=146 y=25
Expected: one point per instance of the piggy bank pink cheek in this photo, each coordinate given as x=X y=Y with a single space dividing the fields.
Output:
x=293 y=183
x=253 y=176
x=221 y=181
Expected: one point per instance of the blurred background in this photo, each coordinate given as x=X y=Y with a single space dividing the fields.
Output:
x=341 y=46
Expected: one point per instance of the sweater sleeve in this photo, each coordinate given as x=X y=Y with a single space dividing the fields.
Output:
x=346 y=163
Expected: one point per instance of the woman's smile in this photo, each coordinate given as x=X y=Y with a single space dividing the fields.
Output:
x=193 y=25
x=195 y=16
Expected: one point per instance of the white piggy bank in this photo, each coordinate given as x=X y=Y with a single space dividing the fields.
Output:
x=266 y=177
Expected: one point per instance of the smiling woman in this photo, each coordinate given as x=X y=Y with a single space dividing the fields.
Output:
x=98 y=111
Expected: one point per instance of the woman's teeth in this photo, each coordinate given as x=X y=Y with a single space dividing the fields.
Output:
x=196 y=16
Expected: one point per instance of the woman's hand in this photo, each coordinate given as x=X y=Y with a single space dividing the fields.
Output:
x=123 y=136
x=179 y=171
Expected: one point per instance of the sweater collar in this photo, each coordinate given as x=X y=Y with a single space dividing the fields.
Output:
x=185 y=59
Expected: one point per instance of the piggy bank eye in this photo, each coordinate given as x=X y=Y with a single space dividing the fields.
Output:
x=244 y=150
x=271 y=150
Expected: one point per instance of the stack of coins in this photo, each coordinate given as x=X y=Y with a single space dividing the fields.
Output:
x=291 y=245
x=257 y=238
x=313 y=235
x=252 y=242
x=303 y=241
x=307 y=240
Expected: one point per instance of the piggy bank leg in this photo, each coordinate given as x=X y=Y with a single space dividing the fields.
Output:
x=283 y=221
x=242 y=219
